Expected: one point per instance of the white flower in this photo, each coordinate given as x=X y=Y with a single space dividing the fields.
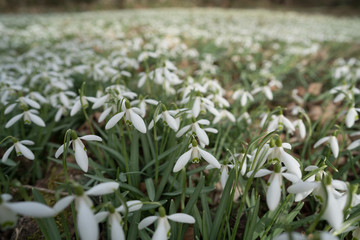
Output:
x=78 y=104
x=246 y=117
x=141 y=102
x=266 y=90
x=9 y=210
x=333 y=144
x=87 y=225
x=20 y=149
x=200 y=104
x=29 y=117
x=334 y=208
x=132 y=117
x=277 y=152
x=302 y=129
x=162 y=231
x=79 y=149
x=198 y=131
x=219 y=115
x=167 y=117
x=115 y=219
x=273 y=193
x=24 y=102
x=290 y=236
x=243 y=95
x=352 y=116
x=194 y=154
x=278 y=123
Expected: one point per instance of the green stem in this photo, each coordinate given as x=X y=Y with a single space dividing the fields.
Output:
x=123 y=149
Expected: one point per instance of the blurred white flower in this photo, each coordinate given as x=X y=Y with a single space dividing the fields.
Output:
x=332 y=140
x=162 y=231
x=20 y=149
x=29 y=117
x=352 y=116
x=197 y=130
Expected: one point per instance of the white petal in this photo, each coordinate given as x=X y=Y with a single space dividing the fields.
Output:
x=138 y=122
x=101 y=216
x=224 y=176
x=31 y=102
x=61 y=150
x=209 y=158
x=321 y=141
x=91 y=138
x=301 y=187
x=32 y=209
x=171 y=122
x=63 y=203
x=27 y=142
x=117 y=231
x=182 y=131
x=81 y=156
x=339 y=185
x=114 y=120
x=203 y=122
x=36 y=119
x=333 y=214
x=151 y=101
x=87 y=226
x=100 y=101
x=261 y=173
x=288 y=124
x=291 y=164
x=182 y=161
x=334 y=146
x=350 y=117
x=104 y=114
x=212 y=130
x=286 y=146
x=291 y=177
x=13 y=120
x=181 y=217
x=273 y=193
x=147 y=221
x=25 y=151
x=133 y=205
x=76 y=108
x=7 y=217
x=302 y=130
x=10 y=108
x=7 y=153
x=354 y=145
x=201 y=134
x=196 y=107
x=161 y=231
x=103 y=188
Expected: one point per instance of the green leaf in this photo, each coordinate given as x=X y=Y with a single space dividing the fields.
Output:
x=150 y=188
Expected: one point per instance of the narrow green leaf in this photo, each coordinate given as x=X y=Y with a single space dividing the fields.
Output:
x=150 y=188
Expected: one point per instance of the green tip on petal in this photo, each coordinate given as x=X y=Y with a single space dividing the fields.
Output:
x=328 y=179
x=193 y=119
x=78 y=190
x=111 y=208
x=163 y=107
x=277 y=168
x=162 y=212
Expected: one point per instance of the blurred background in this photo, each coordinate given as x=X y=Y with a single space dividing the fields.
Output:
x=341 y=7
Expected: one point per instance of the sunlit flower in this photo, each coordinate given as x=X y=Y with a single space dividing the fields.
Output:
x=194 y=154
x=115 y=219
x=162 y=231
x=79 y=149
x=20 y=149
x=332 y=140
x=86 y=222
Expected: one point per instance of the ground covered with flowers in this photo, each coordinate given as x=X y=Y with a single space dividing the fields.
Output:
x=180 y=124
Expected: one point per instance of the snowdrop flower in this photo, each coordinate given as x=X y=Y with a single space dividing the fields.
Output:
x=273 y=193
x=194 y=154
x=162 y=231
x=115 y=219
x=278 y=123
x=334 y=208
x=219 y=115
x=277 y=152
x=224 y=173
x=219 y=100
x=352 y=116
x=9 y=211
x=141 y=102
x=132 y=117
x=167 y=117
x=265 y=89
x=332 y=140
x=198 y=131
x=246 y=117
x=79 y=149
x=79 y=102
x=24 y=102
x=344 y=91
x=243 y=95
x=20 y=149
x=29 y=117
x=290 y=236
x=240 y=157
x=200 y=104
x=87 y=225
x=302 y=129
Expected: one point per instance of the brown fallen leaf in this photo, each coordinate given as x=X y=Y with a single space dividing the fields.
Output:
x=315 y=88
